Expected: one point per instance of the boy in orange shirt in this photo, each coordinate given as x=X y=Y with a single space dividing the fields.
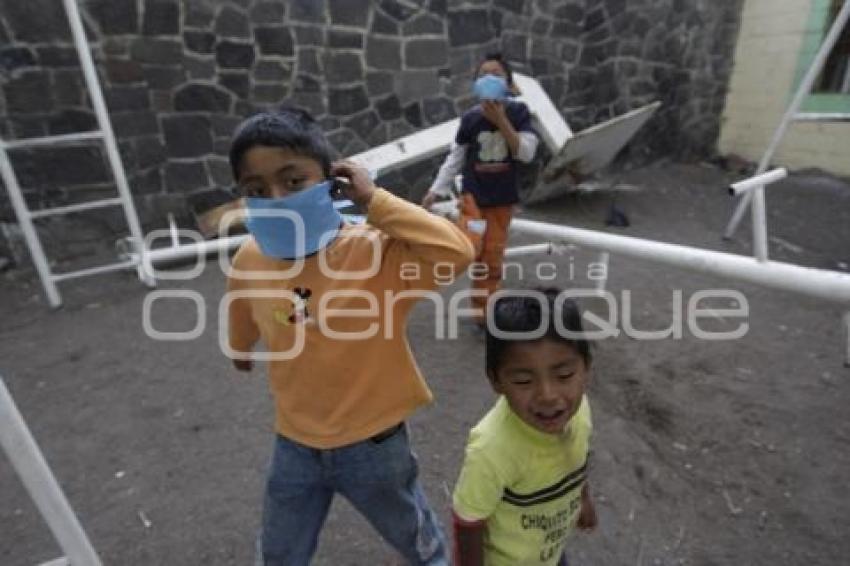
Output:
x=343 y=381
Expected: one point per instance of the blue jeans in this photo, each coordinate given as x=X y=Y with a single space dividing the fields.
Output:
x=378 y=478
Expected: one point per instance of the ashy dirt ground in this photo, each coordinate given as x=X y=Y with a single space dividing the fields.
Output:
x=705 y=452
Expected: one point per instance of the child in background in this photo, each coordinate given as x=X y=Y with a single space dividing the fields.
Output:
x=492 y=138
x=340 y=403
x=523 y=485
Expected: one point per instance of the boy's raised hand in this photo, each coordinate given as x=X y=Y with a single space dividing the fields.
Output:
x=360 y=187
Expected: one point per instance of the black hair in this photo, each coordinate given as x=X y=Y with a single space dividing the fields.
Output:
x=287 y=127
x=522 y=312
x=497 y=57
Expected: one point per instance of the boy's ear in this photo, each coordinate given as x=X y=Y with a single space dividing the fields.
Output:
x=494 y=381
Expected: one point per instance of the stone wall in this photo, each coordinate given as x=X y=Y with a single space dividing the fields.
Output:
x=179 y=75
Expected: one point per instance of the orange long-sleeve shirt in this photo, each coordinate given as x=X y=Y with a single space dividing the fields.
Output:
x=334 y=390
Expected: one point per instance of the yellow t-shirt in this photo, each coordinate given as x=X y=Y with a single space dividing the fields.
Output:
x=340 y=321
x=525 y=483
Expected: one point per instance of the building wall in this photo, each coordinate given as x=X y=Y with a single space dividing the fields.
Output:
x=178 y=75
x=776 y=41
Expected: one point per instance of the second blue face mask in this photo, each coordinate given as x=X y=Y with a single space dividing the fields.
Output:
x=490 y=87
x=296 y=225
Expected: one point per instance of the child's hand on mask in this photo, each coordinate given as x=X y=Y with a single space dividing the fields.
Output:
x=494 y=111
x=360 y=187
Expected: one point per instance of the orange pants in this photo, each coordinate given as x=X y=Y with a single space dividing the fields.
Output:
x=489 y=246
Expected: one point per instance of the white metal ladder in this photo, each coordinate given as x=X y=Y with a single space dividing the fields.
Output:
x=124 y=199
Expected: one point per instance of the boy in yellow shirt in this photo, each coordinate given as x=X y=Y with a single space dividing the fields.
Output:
x=323 y=297
x=523 y=485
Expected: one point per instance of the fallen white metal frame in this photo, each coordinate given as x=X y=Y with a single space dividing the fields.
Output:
x=104 y=134
x=35 y=474
x=756 y=196
x=823 y=284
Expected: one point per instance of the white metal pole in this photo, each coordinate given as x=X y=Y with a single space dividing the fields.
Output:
x=760 y=248
x=802 y=91
x=39 y=481
x=829 y=285
x=530 y=249
x=100 y=110
x=741 y=187
x=27 y=227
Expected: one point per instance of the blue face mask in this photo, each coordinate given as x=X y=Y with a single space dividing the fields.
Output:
x=294 y=226
x=491 y=87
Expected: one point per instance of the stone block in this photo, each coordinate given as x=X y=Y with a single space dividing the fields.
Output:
x=469 y=27
x=309 y=35
x=224 y=125
x=161 y=17
x=515 y=46
x=342 y=67
x=383 y=24
x=572 y=12
x=389 y=108
x=383 y=53
x=131 y=124
x=275 y=40
x=347 y=101
x=14 y=58
x=70 y=121
x=58 y=56
x=123 y=71
x=425 y=53
x=269 y=93
x=414 y=85
x=399 y=10
x=36 y=21
x=115 y=17
x=413 y=114
x=354 y=13
x=200 y=68
x=310 y=11
x=186 y=176
x=239 y=83
x=202 y=97
x=364 y=123
x=308 y=101
x=424 y=24
x=340 y=39
x=187 y=135
x=29 y=92
x=232 y=55
x=268 y=13
x=163 y=78
x=68 y=88
x=232 y=24
x=150 y=151
x=308 y=61
x=515 y=6
x=271 y=70
x=127 y=98
x=438 y=7
x=199 y=14
x=157 y=51
x=438 y=110
x=307 y=84
x=379 y=82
